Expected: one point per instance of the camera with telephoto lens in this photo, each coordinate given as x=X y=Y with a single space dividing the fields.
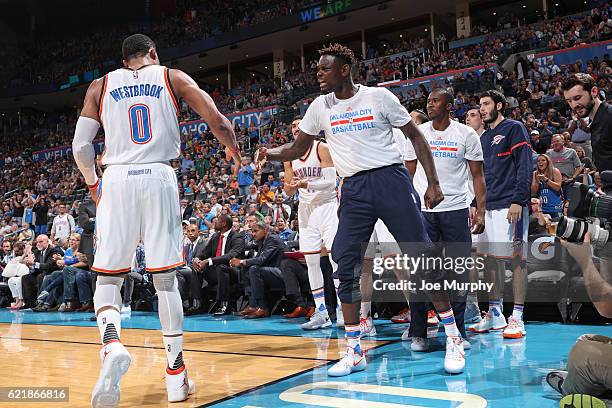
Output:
x=588 y=211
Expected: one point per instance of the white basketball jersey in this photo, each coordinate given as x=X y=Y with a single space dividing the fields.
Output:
x=139 y=112
x=309 y=168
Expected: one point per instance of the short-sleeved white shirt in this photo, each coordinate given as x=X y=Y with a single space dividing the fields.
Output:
x=358 y=130
x=451 y=149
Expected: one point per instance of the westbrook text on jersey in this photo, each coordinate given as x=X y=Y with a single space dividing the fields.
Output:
x=136 y=90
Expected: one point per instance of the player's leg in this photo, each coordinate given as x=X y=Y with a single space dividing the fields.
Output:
x=328 y=228
x=310 y=246
x=356 y=221
x=516 y=325
x=162 y=239
x=117 y=237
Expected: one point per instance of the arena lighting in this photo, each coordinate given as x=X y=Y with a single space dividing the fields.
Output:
x=524 y=6
x=494 y=13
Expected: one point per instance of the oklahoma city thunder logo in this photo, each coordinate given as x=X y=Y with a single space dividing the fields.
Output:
x=497 y=139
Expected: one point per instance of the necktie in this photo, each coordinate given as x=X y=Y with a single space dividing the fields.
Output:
x=219 y=245
x=189 y=252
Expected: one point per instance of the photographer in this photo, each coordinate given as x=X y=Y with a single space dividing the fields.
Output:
x=582 y=95
x=589 y=366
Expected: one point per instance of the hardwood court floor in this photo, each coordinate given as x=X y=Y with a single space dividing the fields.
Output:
x=221 y=364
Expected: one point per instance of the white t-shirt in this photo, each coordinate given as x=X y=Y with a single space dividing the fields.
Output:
x=401 y=141
x=451 y=149
x=358 y=130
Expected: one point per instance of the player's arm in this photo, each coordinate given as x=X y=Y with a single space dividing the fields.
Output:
x=521 y=151
x=327 y=181
x=433 y=195
x=480 y=191
x=85 y=132
x=289 y=151
x=185 y=87
x=411 y=165
x=289 y=186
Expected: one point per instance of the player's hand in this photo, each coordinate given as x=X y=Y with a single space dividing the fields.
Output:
x=478 y=222
x=515 y=213
x=94 y=194
x=260 y=157
x=433 y=196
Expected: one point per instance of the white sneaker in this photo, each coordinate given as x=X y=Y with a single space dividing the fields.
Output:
x=432 y=318
x=472 y=314
x=350 y=363
x=406 y=335
x=454 y=360
x=126 y=309
x=402 y=317
x=318 y=320
x=366 y=327
x=339 y=317
x=178 y=385
x=115 y=363
x=419 y=344
x=466 y=344
x=515 y=329
x=489 y=322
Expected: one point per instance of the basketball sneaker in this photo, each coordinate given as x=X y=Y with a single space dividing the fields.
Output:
x=339 y=317
x=454 y=360
x=472 y=313
x=466 y=344
x=406 y=334
x=115 y=363
x=351 y=362
x=432 y=318
x=419 y=344
x=319 y=320
x=402 y=317
x=515 y=329
x=489 y=322
x=178 y=385
x=366 y=327
x=581 y=400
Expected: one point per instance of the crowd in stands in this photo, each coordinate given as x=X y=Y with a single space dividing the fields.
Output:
x=46 y=214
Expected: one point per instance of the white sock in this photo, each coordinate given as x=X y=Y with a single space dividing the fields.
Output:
x=517 y=312
x=109 y=323
x=366 y=308
x=174 y=351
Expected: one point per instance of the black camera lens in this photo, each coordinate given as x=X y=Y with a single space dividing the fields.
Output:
x=572 y=229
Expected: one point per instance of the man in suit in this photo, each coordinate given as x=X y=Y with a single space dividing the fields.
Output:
x=87 y=221
x=262 y=270
x=185 y=275
x=213 y=261
x=186 y=209
x=41 y=263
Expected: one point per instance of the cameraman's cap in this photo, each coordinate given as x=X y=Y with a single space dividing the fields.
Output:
x=232 y=197
x=535 y=132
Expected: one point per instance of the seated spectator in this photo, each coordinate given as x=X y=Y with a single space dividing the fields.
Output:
x=564 y=158
x=252 y=196
x=279 y=210
x=283 y=231
x=539 y=146
x=138 y=273
x=186 y=276
x=42 y=263
x=262 y=271
x=252 y=210
x=14 y=270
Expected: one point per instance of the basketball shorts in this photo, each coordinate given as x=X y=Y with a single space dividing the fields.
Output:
x=138 y=203
x=318 y=225
x=382 y=242
x=501 y=239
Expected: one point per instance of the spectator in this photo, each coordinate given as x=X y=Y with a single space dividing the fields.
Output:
x=536 y=143
x=580 y=133
x=546 y=185
x=63 y=225
x=42 y=262
x=245 y=176
x=15 y=269
x=564 y=159
x=190 y=274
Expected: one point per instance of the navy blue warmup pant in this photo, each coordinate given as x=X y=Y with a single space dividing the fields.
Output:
x=386 y=193
x=447 y=227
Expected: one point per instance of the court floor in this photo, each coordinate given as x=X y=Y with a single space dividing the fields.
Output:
x=273 y=363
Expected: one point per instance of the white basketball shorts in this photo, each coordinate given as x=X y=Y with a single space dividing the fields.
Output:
x=138 y=202
x=318 y=226
x=501 y=239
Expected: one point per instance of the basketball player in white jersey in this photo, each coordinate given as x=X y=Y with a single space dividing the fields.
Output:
x=137 y=106
x=314 y=175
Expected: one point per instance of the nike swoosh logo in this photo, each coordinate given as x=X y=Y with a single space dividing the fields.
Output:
x=357 y=363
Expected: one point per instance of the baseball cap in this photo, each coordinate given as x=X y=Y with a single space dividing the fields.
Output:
x=535 y=132
x=185 y=222
x=232 y=197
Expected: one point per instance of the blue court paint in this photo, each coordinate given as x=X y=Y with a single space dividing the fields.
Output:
x=502 y=373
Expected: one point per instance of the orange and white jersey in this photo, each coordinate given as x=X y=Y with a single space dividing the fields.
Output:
x=309 y=168
x=139 y=111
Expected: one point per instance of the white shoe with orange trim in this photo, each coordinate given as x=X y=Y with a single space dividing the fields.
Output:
x=350 y=363
x=178 y=385
x=454 y=360
x=115 y=362
x=515 y=329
